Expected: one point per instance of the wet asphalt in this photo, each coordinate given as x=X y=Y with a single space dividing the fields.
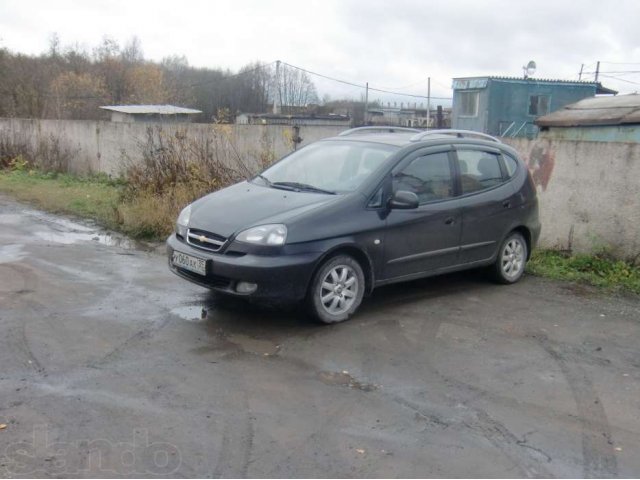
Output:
x=112 y=366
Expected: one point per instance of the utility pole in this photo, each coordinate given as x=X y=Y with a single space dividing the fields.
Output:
x=428 y=102
x=366 y=105
x=580 y=75
x=277 y=97
x=597 y=70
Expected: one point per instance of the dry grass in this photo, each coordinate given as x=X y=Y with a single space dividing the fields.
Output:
x=152 y=215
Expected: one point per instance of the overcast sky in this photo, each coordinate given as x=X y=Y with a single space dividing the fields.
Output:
x=392 y=44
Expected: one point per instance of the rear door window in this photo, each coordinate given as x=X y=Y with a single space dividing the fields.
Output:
x=479 y=170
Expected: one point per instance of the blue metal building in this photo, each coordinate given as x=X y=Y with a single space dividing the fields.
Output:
x=509 y=107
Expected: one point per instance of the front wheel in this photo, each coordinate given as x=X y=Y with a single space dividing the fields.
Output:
x=512 y=258
x=337 y=289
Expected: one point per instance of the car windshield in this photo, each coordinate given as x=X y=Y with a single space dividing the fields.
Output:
x=327 y=167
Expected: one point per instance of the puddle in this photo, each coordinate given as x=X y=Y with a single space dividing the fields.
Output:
x=234 y=344
x=190 y=313
x=343 y=379
x=10 y=219
x=11 y=253
x=66 y=232
x=256 y=346
x=68 y=238
x=53 y=222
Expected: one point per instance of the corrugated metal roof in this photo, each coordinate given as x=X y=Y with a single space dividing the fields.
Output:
x=618 y=110
x=530 y=79
x=464 y=83
x=151 y=109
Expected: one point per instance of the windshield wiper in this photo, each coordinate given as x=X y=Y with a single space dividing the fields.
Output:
x=301 y=187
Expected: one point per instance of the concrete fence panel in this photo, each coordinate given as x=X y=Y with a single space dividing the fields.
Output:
x=99 y=146
x=589 y=194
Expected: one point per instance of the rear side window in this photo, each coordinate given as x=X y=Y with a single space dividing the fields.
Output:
x=511 y=164
x=478 y=170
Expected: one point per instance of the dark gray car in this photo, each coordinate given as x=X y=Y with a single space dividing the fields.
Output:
x=376 y=205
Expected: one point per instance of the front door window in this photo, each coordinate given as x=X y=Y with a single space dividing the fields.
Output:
x=429 y=177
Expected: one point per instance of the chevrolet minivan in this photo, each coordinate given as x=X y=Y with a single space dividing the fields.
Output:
x=375 y=205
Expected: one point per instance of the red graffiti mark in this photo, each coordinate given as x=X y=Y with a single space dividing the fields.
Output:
x=541 y=160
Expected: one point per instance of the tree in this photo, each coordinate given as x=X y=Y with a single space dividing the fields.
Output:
x=251 y=88
x=76 y=95
x=295 y=89
x=144 y=84
x=69 y=82
x=111 y=69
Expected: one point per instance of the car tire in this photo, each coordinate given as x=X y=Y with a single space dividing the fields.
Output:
x=336 y=290
x=512 y=258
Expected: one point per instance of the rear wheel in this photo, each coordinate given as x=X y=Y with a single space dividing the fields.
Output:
x=337 y=289
x=512 y=258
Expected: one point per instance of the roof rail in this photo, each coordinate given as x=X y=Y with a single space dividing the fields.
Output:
x=389 y=129
x=457 y=133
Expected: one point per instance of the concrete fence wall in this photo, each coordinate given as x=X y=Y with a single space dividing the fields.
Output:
x=99 y=146
x=589 y=191
x=589 y=194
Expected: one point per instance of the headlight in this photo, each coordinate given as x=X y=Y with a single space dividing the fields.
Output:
x=273 y=235
x=183 y=221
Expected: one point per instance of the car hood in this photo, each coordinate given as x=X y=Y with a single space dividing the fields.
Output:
x=245 y=205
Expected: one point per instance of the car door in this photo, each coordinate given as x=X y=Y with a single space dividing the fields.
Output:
x=487 y=201
x=427 y=238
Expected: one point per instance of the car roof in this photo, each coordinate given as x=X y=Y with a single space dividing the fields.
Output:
x=396 y=139
x=402 y=137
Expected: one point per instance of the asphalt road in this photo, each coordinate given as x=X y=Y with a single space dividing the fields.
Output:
x=112 y=366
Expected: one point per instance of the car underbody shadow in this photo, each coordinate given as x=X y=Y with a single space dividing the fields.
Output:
x=239 y=313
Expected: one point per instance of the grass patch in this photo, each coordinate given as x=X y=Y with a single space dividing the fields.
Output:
x=95 y=197
x=110 y=203
x=598 y=269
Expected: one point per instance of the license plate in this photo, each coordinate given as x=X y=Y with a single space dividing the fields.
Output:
x=188 y=262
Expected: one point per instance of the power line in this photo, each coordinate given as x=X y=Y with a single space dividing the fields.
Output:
x=345 y=82
x=622 y=63
x=324 y=76
x=619 y=79
x=421 y=82
x=620 y=72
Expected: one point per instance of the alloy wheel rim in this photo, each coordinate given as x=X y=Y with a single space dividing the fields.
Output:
x=339 y=289
x=513 y=258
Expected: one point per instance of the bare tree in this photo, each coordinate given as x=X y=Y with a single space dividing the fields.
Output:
x=295 y=89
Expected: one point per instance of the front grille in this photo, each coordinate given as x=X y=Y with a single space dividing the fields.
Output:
x=205 y=240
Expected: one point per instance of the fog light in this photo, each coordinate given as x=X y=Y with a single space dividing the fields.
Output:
x=246 y=287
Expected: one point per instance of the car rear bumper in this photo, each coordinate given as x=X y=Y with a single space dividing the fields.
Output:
x=278 y=278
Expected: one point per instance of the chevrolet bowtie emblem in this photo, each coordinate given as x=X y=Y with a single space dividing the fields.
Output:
x=202 y=238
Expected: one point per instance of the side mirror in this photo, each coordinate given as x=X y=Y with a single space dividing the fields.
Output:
x=404 y=200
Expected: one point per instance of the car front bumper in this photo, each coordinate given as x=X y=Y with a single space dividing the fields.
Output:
x=278 y=277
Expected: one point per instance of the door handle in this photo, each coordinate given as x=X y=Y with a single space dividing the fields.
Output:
x=450 y=221
x=506 y=204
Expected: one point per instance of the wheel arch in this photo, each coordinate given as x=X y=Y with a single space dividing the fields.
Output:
x=358 y=254
x=526 y=233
